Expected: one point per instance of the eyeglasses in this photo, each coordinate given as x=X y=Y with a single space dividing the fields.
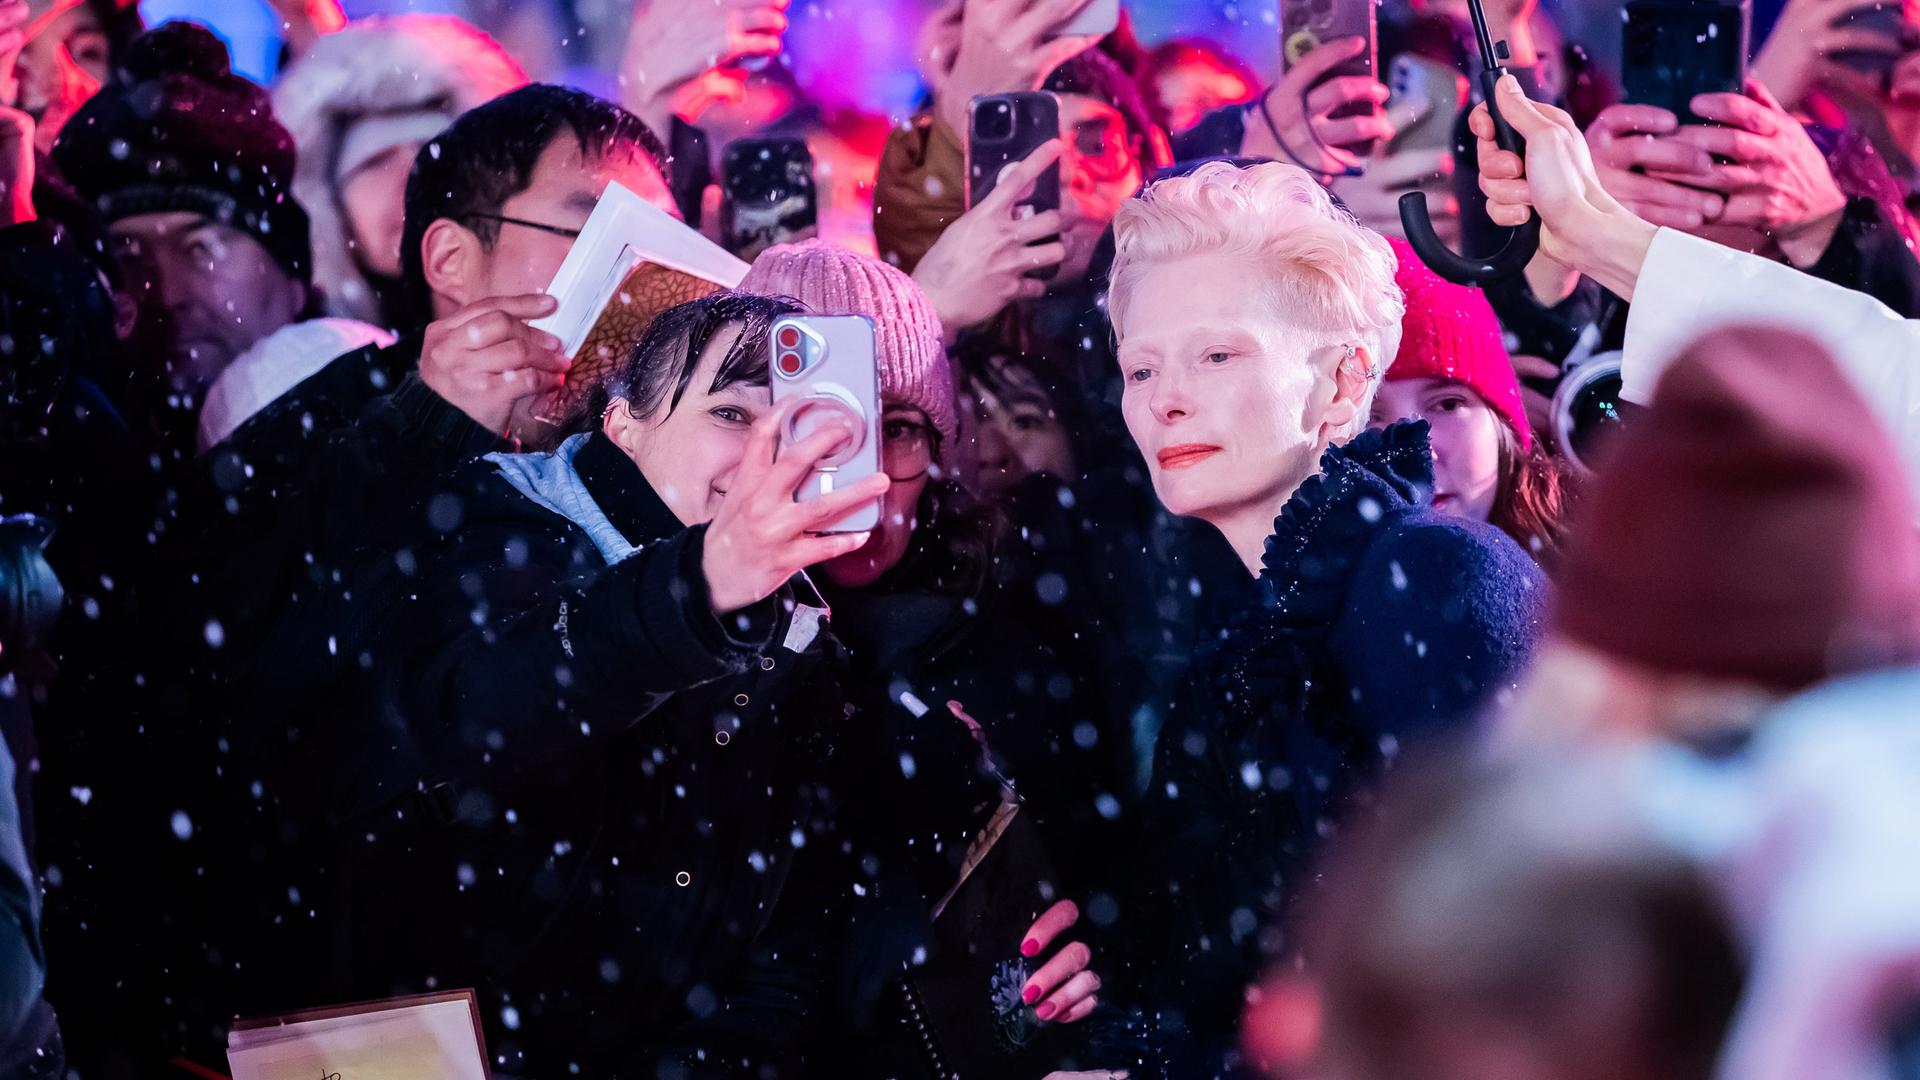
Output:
x=906 y=447
x=571 y=234
x=1105 y=150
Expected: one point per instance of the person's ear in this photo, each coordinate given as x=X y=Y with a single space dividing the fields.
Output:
x=451 y=256
x=1352 y=378
x=626 y=430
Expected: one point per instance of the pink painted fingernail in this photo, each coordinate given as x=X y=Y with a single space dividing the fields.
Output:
x=1030 y=947
x=1045 y=1011
x=1030 y=994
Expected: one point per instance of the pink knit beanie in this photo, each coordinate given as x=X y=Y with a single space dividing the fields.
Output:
x=912 y=354
x=1450 y=332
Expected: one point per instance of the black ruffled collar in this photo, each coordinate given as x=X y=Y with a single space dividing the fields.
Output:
x=1321 y=533
x=1262 y=662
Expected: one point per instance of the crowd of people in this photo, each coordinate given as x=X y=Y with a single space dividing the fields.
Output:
x=1244 y=677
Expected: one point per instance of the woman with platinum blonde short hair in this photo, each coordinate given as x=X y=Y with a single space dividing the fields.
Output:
x=1254 y=320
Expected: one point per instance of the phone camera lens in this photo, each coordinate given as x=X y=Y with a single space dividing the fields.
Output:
x=789 y=337
x=994 y=121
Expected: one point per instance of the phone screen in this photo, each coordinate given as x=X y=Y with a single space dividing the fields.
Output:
x=770 y=197
x=1672 y=52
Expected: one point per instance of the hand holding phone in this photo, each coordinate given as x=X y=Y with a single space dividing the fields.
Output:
x=1320 y=121
x=761 y=536
x=1307 y=26
x=1774 y=178
x=1006 y=129
x=824 y=365
x=1651 y=173
x=994 y=254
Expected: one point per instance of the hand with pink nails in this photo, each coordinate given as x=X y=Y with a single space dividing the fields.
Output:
x=1064 y=987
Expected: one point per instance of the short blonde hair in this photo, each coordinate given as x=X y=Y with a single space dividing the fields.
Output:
x=1327 y=274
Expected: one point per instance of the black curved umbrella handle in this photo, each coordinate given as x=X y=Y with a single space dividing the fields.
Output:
x=1522 y=241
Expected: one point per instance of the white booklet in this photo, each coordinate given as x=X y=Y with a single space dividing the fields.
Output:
x=422 y=1037
x=624 y=231
x=631 y=262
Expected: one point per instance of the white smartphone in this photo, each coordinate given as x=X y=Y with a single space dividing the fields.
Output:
x=1100 y=17
x=827 y=361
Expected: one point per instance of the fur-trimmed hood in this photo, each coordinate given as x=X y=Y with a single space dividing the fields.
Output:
x=380 y=66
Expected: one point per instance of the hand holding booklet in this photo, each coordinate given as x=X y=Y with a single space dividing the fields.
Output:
x=631 y=262
x=423 y=1037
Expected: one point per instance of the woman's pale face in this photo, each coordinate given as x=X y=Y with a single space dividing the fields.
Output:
x=689 y=455
x=1466 y=439
x=1220 y=392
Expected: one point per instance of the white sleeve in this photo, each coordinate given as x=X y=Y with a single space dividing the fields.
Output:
x=1689 y=286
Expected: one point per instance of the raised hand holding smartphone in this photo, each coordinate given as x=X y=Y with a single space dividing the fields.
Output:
x=824 y=366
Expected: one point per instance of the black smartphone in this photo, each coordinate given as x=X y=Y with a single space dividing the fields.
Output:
x=1888 y=19
x=768 y=194
x=1305 y=25
x=1003 y=129
x=1672 y=51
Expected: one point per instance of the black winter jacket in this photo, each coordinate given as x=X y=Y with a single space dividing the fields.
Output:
x=1380 y=622
x=566 y=782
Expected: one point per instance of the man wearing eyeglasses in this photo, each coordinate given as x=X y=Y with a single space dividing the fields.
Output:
x=283 y=505
x=492 y=207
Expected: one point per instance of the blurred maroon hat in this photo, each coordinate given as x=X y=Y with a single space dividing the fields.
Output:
x=1755 y=525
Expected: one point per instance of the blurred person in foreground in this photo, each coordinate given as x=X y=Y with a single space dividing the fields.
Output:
x=1254 y=320
x=1512 y=917
x=1629 y=910
x=1749 y=537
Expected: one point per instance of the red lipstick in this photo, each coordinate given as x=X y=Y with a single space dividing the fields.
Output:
x=1186 y=455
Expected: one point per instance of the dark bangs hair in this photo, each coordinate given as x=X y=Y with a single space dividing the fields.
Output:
x=658 y=370
x=487 y=156
x=1536 y=491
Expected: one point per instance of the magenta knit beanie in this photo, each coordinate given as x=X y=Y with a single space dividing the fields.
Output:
x=1450 y=332
x=830 y=280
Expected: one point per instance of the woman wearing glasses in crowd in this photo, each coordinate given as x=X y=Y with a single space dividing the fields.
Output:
x=934 y=634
